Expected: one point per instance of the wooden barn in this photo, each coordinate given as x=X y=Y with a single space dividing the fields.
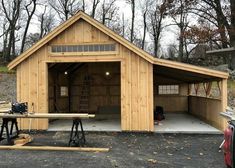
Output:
x=82 y=66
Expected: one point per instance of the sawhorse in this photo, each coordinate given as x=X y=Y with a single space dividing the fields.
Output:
x=9 y=133
x=77 y=137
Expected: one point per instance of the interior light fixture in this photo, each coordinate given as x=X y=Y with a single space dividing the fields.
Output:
x=107 y=73
x=66 y=73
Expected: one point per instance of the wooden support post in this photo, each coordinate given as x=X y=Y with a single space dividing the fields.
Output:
x=190 y=89
x=196 y=87
x=219 y=84
x=223 y=101
x=69 y=91
x=207 y=88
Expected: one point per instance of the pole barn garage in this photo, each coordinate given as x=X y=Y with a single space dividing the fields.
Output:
x=82 y=66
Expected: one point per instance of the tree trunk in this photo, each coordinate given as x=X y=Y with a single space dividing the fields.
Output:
x=145 y=28
x=155 y=45
x=132 y=20
x=221 y=24
x=94 y=6
x=83 y=5
x=103 y=13
x=123 y=25
x=30 y=15
x=232 y=29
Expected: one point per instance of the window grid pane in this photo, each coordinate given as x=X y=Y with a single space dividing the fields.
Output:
x=168 y=89
x=84 y=48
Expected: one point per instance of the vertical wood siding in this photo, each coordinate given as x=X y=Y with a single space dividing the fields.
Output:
x=136 y=78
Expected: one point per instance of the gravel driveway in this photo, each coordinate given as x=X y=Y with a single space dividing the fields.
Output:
x=132 y=150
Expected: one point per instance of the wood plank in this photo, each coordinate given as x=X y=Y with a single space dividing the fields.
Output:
x=42 y=85
x=54 y=148
x=23 y=139
x=134 y=90
x=224 y=103
x=143 y=88
x=48 y=115
x=87 y=32
x=208 y=110
x=150 y=98
x=80 y=31
x=129 y=90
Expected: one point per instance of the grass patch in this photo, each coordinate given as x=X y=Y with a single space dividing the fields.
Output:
x=231 y=84
x=231 y=88
x=4 y=69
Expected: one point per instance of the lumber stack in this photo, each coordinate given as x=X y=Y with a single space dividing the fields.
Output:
x=5 y=106
x=23 y=139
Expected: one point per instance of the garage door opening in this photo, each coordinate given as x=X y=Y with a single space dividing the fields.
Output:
x=92 y=88
x=190 y=101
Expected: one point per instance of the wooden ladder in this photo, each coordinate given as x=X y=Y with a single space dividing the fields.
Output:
x=84 y=98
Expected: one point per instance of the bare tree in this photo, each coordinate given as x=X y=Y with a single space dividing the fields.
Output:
x=221 y=16
x=156 y=14
x=4 y=36
x=180 y=13
x=132 y=3
x=123 y=25
x=65 y=8
x=171 y=51
x=145 y=8
x=83 y=6
x=94 y=7
x=11 y=10
x=30 y=8
x=46 y=20
x=108 y=11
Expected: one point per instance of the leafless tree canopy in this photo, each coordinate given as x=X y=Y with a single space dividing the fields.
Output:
x=146 y=23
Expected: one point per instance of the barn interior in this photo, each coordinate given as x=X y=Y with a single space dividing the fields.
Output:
x=95 y=87
x=84 y=87
x=190 y=100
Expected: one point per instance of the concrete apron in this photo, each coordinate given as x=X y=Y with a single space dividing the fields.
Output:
x=174 y=123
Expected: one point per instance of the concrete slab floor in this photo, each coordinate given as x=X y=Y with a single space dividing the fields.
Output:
x=88 y=125
x=184 y=123
x=174 y=123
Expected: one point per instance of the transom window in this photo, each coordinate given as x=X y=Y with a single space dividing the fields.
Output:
x=83 y=48
x=168 y=89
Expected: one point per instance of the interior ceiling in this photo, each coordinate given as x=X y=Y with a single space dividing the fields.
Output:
x=162 y=74
x=179 y=76
x=62 y=67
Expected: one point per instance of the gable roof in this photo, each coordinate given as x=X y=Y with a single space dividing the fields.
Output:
x=119 y=39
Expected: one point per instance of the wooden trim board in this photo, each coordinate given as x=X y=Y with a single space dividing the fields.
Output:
x=54 y=148
x=48 y=115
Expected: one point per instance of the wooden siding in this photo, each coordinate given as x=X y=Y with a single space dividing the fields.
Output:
x=136 y=78
x=208 y=110
x=136 y=92
x=32 y=88
x=176 y=103
x=171 y=102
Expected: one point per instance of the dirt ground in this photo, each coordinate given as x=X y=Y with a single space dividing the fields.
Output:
x=132 y=150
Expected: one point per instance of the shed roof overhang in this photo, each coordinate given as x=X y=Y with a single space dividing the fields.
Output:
x=181 y=76
x=184 y=73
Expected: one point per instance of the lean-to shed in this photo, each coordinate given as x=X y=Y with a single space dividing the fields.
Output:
x=82 y=66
